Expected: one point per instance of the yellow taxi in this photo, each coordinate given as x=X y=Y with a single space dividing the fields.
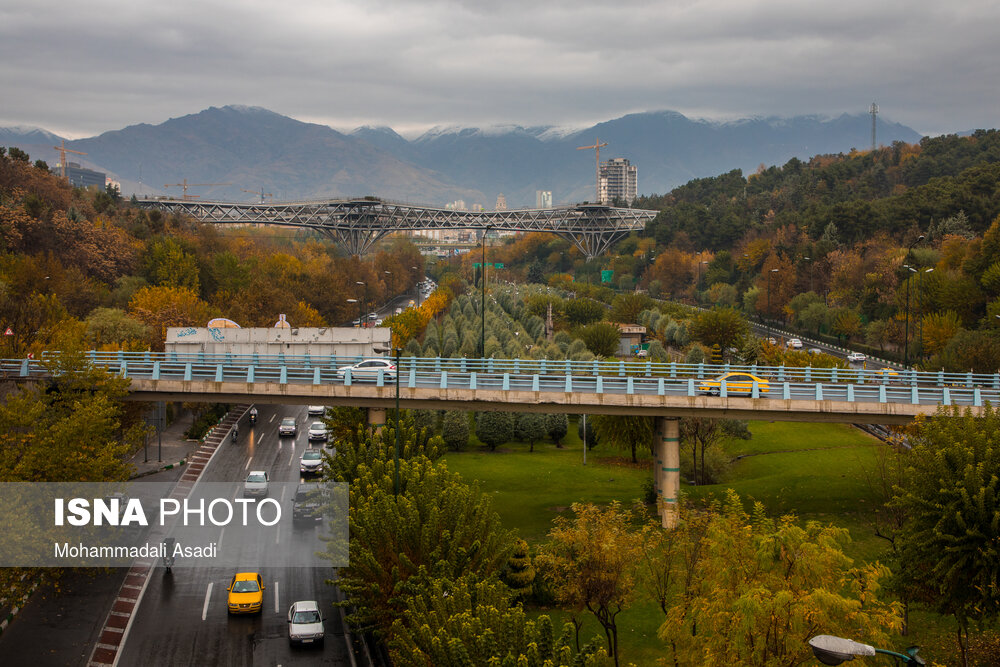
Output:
x=887 y=375
x=736 y=383
x=246 y=593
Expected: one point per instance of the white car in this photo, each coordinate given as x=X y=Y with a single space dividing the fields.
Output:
x=287 y=427
x=369 y=369
x=255 y=485
x=316 y=409
x=311 y=462
x=317 y=431
x=857 y=357
x=795 y=343
x=305 y=623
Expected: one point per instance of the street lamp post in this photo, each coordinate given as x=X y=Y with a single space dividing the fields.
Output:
x=392 y=284
x=906 y=326
x=831 y=650
x=767 y=325
x=396 y=454
x=920 y=303
x=361 y=303
x=811 y=265
x=416 y=287
x=482 y=332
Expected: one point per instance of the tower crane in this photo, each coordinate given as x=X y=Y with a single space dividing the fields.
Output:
x=62 y=155
x=597 y=150
x=259 y=192
x=185 y=185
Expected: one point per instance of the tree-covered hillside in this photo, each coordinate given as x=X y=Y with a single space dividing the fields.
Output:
x=82 y=268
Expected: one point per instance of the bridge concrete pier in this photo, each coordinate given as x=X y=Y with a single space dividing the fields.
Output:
x=667 y=474
x=376 y=419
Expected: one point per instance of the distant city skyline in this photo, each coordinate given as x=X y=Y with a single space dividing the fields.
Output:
x=82 y=69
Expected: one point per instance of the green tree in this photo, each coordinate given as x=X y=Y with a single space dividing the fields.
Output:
x=845 y=323
x=623 y=432
x=625 y=308
x=462 y=623
x=437 y=525
x=520 y=573
x=601 y=338
x=167 y=264
x=494 y=428
x=113 y=326
x=721 y=326
x=529 y=427
x=455 y=429
x=557 y=425
x=951 y=497
x=591 y=563
x=583 y=311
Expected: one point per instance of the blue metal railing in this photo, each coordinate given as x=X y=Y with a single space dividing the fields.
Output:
x=597 y=377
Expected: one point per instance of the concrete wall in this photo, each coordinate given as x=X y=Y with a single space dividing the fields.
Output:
x=314 y=341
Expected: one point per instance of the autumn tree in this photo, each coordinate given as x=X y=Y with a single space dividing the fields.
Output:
x=162 y=307
x=591 y=562
x=765 y=585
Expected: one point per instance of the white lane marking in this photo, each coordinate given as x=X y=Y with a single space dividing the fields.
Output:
x=272 y=418
x=208 y=596
x=277 y=535
x=248 y=463
x=283 y=489
x=291 y=458
x=276 y=598
x=221 y=535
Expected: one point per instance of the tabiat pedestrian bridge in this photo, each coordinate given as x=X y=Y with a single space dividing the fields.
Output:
x=358 y=223
x=665 y=391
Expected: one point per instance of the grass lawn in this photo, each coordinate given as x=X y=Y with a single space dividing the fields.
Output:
x=816 y=471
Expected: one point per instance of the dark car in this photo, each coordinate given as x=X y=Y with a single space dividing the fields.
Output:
x=306 y=504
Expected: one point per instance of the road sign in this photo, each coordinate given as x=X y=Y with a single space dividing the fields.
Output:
x=8 y=332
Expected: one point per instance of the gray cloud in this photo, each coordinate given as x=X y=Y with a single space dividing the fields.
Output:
x=83 y=68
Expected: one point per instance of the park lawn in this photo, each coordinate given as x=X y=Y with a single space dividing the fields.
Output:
x=530 y=489
x=815 y=471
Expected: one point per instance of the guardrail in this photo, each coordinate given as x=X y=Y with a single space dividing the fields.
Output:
x=120 y=362
x=530 y=375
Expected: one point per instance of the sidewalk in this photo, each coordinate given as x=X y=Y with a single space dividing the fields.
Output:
x=171 y=449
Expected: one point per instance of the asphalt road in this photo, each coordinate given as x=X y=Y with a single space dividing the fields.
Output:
x=183 y=619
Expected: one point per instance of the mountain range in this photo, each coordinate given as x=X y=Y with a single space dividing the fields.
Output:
x=246 y=150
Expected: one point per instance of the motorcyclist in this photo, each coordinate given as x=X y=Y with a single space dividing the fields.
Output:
x=253 y=415
x=236 y=432
x=168 y=556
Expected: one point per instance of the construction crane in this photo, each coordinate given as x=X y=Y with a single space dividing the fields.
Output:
x=259 y=192
x=597 y=149
x=62 y=155
x=185 y=185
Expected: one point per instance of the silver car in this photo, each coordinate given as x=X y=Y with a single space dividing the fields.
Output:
x=255 y=485
x=305 y=623
x=317 y=431
x=287 y=427
x=369 y=369
x=311 y=462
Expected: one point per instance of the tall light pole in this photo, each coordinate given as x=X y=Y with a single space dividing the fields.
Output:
x=482 y=332
x=767 y=326
x=920 y=303
x=359 y=309
x=906 y=326
x=416 y=287
x=809 y=259
x=392 y=283
x=396 y=454
x=361 y=303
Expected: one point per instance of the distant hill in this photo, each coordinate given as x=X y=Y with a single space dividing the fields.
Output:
x=251 y=148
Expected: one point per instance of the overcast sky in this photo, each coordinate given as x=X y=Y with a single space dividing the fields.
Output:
x=82 y=68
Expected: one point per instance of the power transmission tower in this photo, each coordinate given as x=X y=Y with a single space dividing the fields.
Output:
x=873 y=110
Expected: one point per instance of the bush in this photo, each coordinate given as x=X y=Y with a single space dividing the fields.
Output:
x=455 y=430
x=206 y=420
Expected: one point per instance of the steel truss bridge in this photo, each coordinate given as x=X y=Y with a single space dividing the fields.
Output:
x=358 y=223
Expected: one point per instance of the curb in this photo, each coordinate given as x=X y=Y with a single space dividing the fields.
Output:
x=17 y=608
x=168 y=466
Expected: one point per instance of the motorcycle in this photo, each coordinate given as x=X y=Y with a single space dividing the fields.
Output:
x=168 y=556
x=253 y=417
x=235 y=433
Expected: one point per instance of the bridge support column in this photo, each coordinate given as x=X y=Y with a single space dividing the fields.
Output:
x=376 y=419
x=667 y=474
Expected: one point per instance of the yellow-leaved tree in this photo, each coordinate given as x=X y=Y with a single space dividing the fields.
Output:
x=743 y=588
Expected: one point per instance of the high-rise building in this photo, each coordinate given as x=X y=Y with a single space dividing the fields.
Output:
x=501 y=203
x=619 y=181
x=80 y=177
x=543 y=198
